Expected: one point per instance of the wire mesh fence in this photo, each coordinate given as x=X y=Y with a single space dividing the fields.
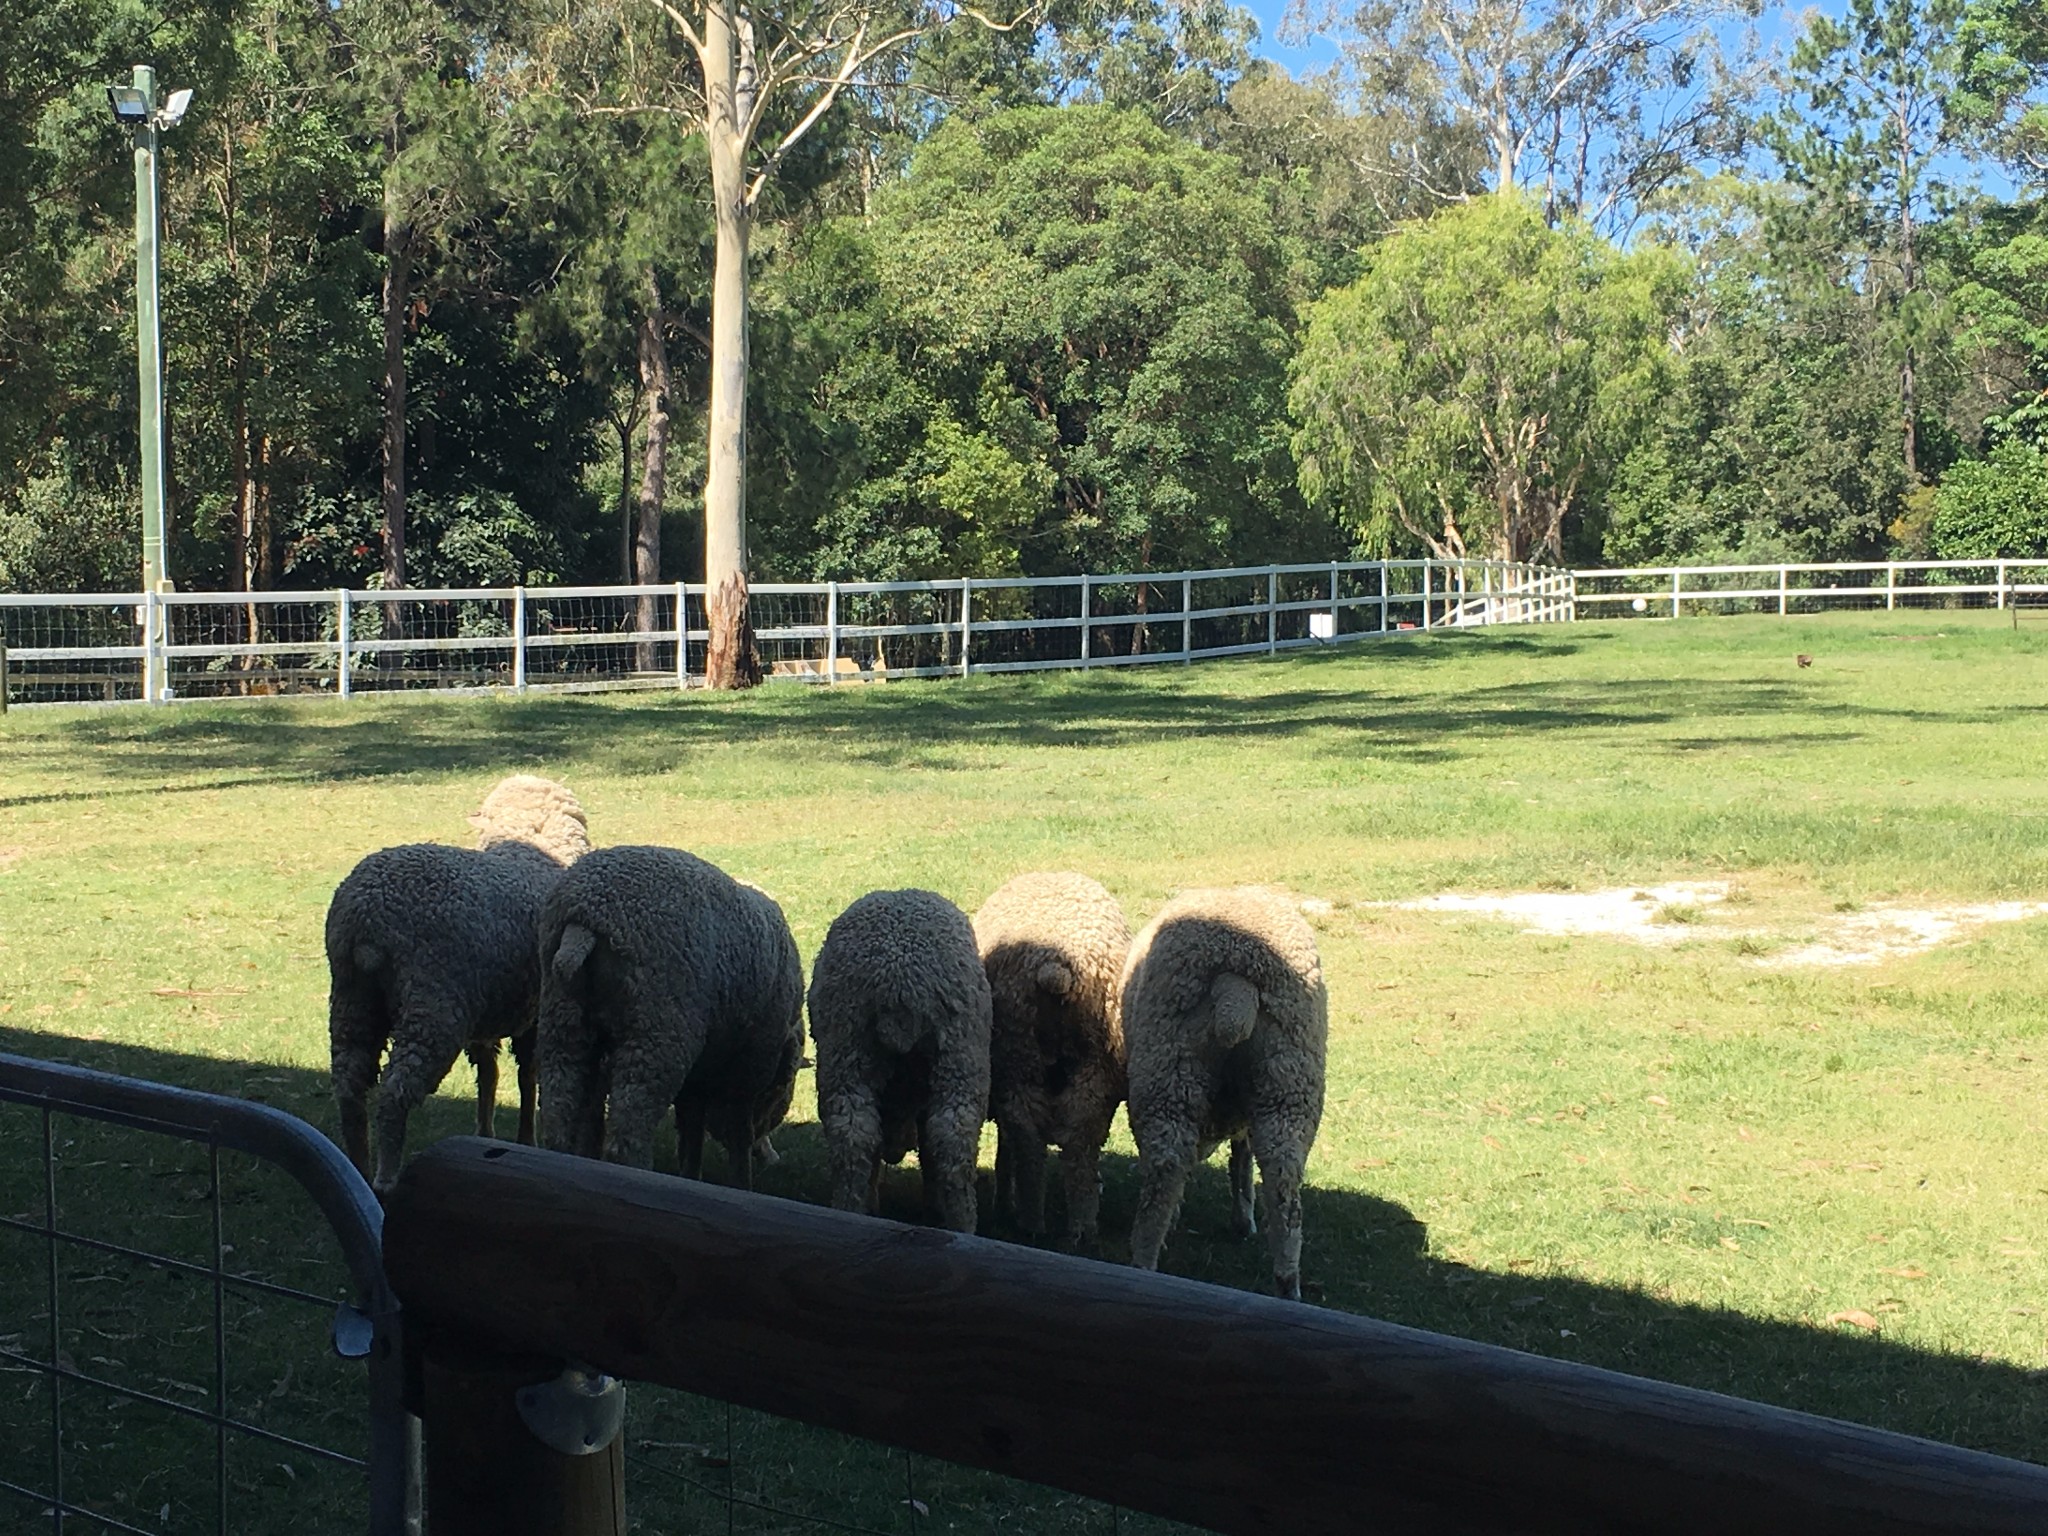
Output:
x=173 y=1319
x=99 y=647
x=698 y=1464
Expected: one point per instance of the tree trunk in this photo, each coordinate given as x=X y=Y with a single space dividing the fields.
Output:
x=729 y=661
x=397 y=303
x=654 y=383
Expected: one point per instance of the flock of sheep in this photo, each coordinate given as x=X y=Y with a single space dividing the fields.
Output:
x=636 y=981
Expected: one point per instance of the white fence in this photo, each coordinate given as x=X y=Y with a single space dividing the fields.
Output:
x=1667 y=591
x=109 y=646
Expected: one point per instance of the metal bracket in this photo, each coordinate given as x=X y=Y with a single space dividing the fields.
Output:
x=579 y=1413
x=353 y=1333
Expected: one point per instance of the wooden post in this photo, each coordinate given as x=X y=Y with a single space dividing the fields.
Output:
x=1425 y=591
x=2001 y=585
x=1084 y=621
x=966 y=625
x=1384 y=625
x=1336 y=626
x=1245 y=1414
x=682 y=635
x=1187 y=624
x=1674 y=591
x=3 y=679
x=1784 y=590
x=487 y=1475
x=1891 y=587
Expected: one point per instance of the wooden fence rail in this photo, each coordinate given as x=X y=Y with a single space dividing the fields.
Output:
x=1227 y=1410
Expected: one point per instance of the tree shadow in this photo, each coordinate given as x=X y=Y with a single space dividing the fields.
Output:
x=1347 y=696
x=1363 y=1254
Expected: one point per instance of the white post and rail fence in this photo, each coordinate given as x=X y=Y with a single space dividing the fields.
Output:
x=105 y=646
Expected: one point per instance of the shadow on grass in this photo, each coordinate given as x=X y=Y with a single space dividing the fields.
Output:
x=1363 y=1254
x=1353 y=698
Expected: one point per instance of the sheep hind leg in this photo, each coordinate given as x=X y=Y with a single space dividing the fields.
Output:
x=523 y=1053
x=483 y=1055
x=1020 y=1148
x=1243 y=1222
x=1280 y=1173
x=357 y=1032
x=690 y=1138
x=1163 y=1178
x=852 y=1123
x=1081 y=1175
x=409 y=1077
x=948 y=1148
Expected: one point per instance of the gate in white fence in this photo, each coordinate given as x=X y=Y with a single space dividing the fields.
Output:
x=110 y=646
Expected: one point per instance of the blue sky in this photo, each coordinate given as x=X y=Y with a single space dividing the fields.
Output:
x=1778 y=24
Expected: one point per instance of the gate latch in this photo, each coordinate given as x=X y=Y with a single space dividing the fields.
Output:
x=579 y=1413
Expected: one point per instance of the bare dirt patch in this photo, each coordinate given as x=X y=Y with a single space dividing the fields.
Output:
x=1669 y=914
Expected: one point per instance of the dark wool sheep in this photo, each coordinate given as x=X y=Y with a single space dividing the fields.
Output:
x=431 y=951
x=666 y=983
x=1054 y=947
x=1226 y=1023
x=900 y=1026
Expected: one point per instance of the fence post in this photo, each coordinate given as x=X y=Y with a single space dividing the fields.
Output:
x=2001 y=586
x=1384 y=624
x=519 y=639
x=1336 y=624
x=152 y=685
x=1084 y=619
x=1891 y=587
x=342 y=639
x=3 y=679
x=1187 y=624
x=489 y=1474
x=966 y=625
x=682 y=636
x=831 y=632
x=1674 y=591
x=1272 y=609
x=1784 y=590
x=1425 y=591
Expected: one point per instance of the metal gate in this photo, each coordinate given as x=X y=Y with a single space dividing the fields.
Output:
x=365 y=1329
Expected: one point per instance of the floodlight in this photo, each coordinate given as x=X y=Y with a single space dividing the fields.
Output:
x=130 y=104
x=174 y=108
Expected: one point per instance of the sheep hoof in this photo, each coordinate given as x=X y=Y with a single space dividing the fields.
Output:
x=1287 y=1287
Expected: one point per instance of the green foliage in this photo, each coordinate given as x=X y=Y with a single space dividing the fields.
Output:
x=1480 y=379
x=1060 y=343
x=1995 y=506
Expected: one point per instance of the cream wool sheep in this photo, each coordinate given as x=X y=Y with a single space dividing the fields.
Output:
x=1226 y=1024
x=1054 y=947
x=431 y=951
x=664 y=980
x=900 y=1018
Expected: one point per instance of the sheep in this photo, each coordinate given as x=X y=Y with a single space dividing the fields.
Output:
x=1053 y=946
x=431 y=952
x=665 y=984
x=900 y=1019
x=1226 y=1023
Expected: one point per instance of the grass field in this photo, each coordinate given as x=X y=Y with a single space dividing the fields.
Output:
x=1680 y=1160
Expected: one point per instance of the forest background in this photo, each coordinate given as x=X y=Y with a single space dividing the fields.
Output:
x=1101 y=285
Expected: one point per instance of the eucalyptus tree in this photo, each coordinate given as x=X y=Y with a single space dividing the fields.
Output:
x=1592 y=104
x=755 y=83
x=1480 y=378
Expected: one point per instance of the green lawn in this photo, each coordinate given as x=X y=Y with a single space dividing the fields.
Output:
x=1677 y=1160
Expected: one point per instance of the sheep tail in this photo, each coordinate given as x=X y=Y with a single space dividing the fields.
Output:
x=1057 y=977
x=1234 y=1003
x=901 y=1031
x=574 y=949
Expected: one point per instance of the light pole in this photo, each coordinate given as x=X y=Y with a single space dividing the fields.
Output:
x=135 y=108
